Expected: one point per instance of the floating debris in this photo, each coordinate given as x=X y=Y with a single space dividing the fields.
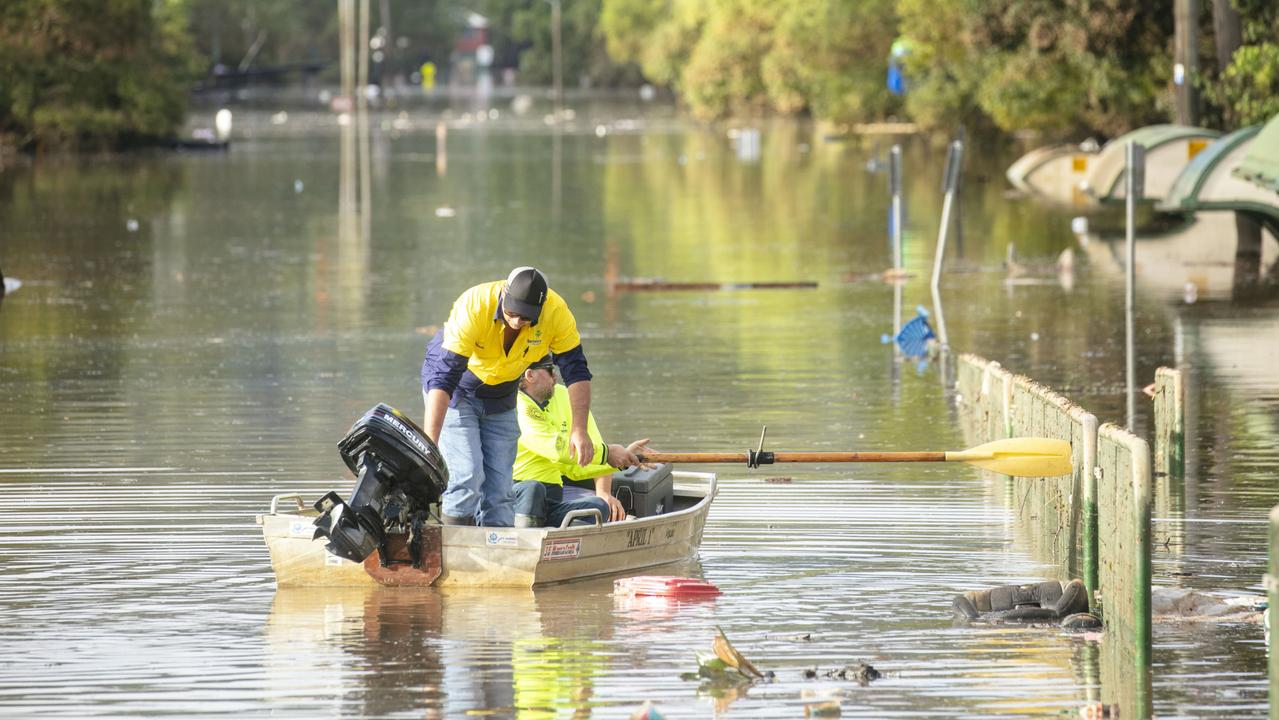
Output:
x=725 y=672
x=647 y=712
x=445 y=212
x=725 y=651
x=829 y=708
x=861 y=673
x=666 y=586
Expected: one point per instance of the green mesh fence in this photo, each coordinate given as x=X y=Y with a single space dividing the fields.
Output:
x=1094 y=524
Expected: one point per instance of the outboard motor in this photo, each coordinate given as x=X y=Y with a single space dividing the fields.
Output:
x=399 y=475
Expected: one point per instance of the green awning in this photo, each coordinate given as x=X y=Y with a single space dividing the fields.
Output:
x=1261 y=164
x=1185 y=190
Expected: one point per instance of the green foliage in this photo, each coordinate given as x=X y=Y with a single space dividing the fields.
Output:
x=1246 y=91
x=85 y=74
x=734 y=57
x=831 y=57
x=1063 y=67
x=521 y=34
x=724 y=75
x=256 y=33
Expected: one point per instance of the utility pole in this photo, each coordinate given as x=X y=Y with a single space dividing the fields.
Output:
x=363 y=57
x=346 y=29
x=1186 y=60
x=557 y=58
x=1226 y=28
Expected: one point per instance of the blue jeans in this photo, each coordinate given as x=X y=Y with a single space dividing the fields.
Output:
x=538 y=499
x=479 y=449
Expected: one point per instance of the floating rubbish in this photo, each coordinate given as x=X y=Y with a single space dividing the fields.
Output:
x=829 y=708
x=665 y=586
x=600 y=131
x=862 y=673
x=914 y=335
x=131 y=225
x=445 y=212
x=725 y=651
x=725 y=670
x=1079 y=225
x=647 y=712
x=280 y=118
x=1050 y=601
x=298 y=186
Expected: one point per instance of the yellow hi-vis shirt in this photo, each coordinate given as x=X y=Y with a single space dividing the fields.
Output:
x=543 y=452
x=475 y=325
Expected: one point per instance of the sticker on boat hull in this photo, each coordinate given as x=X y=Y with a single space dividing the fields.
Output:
x=301 y=528
x=562 y=549
x=501 y=538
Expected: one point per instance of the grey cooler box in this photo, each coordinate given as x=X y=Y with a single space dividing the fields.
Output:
x=645 y=492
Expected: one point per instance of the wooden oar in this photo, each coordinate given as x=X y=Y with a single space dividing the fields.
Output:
x=1021 y=457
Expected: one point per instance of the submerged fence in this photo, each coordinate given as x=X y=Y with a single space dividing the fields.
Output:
x=1094 y=524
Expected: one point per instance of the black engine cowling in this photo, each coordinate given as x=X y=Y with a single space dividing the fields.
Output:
x=399 y=475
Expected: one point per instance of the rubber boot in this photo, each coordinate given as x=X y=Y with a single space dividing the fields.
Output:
x=451 y=520
x=527 y=521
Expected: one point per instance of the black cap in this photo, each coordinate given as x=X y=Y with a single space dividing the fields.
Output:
x=546 y=362
x=525 y=292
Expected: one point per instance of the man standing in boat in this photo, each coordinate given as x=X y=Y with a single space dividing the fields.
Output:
x=469 y=382
x=549 y=482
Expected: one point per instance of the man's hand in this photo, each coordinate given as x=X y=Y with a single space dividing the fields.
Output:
x=583 y=450
x=615 y=510
x=621 y=457
x=637 y=449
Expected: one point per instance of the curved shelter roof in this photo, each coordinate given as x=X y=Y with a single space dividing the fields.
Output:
x=1208 y=182
x=1052 y=172
x=1261 y=165
x=1168 y=149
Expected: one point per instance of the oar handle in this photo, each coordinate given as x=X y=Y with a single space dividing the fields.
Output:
x=768 y=458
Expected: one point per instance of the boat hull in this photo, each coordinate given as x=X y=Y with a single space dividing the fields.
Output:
x=503 y=557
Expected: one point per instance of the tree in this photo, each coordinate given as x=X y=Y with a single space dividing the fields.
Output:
x=92 y=74
x=1085 y=65
x=1246 y=91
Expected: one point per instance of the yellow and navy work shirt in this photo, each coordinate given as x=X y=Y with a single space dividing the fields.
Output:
x=543 y=452
x=466 y=357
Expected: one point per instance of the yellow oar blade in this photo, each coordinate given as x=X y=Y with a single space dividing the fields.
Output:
x=1019 y=457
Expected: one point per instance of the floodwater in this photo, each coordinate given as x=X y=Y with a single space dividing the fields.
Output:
x=194 y=332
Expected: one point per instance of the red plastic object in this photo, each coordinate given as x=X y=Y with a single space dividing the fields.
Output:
x=665 y=586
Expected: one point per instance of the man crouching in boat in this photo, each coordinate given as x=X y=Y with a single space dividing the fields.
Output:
x=469 y=379
x=549 y=484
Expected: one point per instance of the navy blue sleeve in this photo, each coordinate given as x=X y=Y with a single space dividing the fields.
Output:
x=442 y=368
x=572 y=365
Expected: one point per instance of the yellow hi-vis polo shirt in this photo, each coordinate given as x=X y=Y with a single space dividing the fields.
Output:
x=475 y=325
x=543 y=452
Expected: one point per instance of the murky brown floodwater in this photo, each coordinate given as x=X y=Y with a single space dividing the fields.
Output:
x=194 y=333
